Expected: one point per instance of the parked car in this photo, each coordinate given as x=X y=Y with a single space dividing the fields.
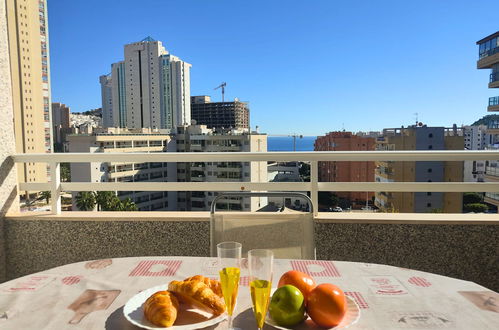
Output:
x=337 y=209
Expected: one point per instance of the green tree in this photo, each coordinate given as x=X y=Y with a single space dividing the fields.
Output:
x=46 y=195
x=472 y=197
x=475 y=207
x=127 y=205
x=304 y=171
x=65 y=172
x=106 y=200
x=327 y=199
x=85 y=200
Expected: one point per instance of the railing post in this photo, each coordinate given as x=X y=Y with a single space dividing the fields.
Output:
x=55 y=190
x=314 y=180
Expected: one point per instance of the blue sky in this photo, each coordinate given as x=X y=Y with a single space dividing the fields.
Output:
x=306 y=67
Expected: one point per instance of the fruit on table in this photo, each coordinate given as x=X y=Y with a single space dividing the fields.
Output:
x=302 y=281
x=326 y=305
x=287 y=306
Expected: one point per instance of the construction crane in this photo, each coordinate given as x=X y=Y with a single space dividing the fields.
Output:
x=294 y=136
x=222 y=86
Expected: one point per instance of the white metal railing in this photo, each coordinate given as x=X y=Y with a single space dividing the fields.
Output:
x=314 y=186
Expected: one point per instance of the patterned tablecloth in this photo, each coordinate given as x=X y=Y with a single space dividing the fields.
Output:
x=91 y=295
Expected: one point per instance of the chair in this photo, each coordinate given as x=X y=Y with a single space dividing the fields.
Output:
x=289 y=235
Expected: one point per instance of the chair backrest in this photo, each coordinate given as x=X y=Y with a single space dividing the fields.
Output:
x=289 y=235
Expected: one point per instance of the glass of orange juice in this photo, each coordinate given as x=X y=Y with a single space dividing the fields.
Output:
x=229 y=259
x=260 y=266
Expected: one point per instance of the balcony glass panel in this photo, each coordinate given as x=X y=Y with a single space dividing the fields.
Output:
x=493 y=101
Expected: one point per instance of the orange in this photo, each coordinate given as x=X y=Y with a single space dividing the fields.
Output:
x=326 y=305
x=302 y=281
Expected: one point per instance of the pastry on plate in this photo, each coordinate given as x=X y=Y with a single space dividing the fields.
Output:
x=213 y=284
x=161 y=309
x=198 y=294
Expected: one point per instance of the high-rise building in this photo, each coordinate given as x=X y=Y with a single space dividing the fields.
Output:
x=61 y=122
x=420 y=138
x=219 y=114
x=149 y=89
x=488 y=58
x=199 y=138
x=347 y=171
x=27 y=27
x=475 y=138
x=124 y=140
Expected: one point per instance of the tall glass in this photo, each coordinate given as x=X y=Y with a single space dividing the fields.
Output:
x=260 y=264
x=229 y=259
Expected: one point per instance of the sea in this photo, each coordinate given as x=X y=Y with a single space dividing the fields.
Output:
x=285 y=143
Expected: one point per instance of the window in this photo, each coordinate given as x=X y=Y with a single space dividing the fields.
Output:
x=428 y=204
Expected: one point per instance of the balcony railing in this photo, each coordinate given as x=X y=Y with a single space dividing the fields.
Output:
x=493 y=101
x=313 y=186
x=494 y=76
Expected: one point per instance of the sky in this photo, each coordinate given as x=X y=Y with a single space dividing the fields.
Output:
x=305 y=67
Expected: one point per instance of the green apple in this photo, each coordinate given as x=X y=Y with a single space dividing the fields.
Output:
x=287 y=306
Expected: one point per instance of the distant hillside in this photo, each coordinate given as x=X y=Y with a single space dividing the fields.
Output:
x=94 y=112
x=486 y=120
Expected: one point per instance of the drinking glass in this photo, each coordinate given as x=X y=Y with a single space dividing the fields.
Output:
x=229 y=259
x=260 y=264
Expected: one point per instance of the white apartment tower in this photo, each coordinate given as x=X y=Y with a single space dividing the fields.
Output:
x=149 y=89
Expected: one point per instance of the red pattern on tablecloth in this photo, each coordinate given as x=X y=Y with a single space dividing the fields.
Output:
x=244 y=281
x=144 y=268
x=329 y=268
x=70 y=280
x=357 y=296
x=419 y=281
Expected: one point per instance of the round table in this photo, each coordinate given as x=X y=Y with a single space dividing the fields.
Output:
x=91 y=294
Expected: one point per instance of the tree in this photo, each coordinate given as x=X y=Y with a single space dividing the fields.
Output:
x=65 y=172
x=327 y=199
x=127 y=205
x=45 y=195
x=472 y=197
x=304 y=170
x=105 y=200
x=85 y=200
x=475 y=207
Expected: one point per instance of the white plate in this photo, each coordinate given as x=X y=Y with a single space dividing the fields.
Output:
x=188 y=319
x=350 y=318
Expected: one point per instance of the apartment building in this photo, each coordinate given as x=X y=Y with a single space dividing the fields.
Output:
x=199 y=138
x=347 y=171
x=61 y=122
x=27 y=28
x=488 y=58
x=128 y=141
x=219 y=114
x=420 y=137
x=149 y=89
x=475 y=138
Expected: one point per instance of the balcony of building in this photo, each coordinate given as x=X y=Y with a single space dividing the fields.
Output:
x=457 y=245
x=488 y=51
x=494 y=80
x=493 y=104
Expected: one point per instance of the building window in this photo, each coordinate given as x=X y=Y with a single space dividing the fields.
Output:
x=430 y=170
x=428 y=204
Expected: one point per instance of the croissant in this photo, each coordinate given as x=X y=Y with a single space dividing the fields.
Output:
x=213 y=284
x=161 y=309
x=199 y=295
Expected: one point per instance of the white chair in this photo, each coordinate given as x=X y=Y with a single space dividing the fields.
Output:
x=289 y=235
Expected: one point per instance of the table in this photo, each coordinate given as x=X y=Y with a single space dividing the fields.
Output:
x=388 y=297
